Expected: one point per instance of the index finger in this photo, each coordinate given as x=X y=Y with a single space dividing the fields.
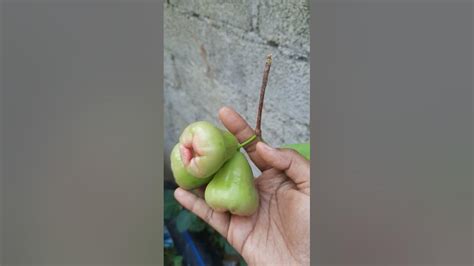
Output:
x=242 y=131
x=219 y=220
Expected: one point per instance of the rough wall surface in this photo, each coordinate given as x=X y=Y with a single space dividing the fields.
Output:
x=215 y=54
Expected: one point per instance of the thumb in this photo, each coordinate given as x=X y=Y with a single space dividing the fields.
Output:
x=295 y=166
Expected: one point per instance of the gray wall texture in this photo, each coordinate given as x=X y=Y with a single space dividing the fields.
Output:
x=215 y=53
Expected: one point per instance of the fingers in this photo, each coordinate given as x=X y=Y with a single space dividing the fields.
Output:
x=220 y=221
x=242 y=131
x=295 y=166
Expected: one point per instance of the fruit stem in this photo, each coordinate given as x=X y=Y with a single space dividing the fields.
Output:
x=266 y=71
x=249 y=140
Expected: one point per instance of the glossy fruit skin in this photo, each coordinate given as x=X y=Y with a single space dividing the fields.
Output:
x=202 y=149
x=232 y=188
x=302 y=148
x=181 y=176
x=231 y=144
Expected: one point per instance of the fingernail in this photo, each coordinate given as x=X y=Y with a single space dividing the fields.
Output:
x=225 y=109
x=178 y=192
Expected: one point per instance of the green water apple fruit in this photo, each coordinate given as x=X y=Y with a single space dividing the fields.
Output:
x=231 y=144
x=181 y=176
x=204 y=148
x=302 y=148
x=232 y=188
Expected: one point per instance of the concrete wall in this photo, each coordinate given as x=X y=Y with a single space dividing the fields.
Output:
x=215 y=54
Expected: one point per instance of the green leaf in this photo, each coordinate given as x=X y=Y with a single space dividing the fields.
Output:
x=169 y=195
x=171 y=211
x=178 y=261
x=210 y=230
x=242 y=262
x=197 y=225
x=302 y=148
x=228 y=249
x=171 y=206
x=221 y=241
x=184 y=220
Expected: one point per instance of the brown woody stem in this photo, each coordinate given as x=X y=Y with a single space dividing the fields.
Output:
x=266 y=71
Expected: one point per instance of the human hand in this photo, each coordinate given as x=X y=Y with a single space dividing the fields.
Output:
x=278 y=233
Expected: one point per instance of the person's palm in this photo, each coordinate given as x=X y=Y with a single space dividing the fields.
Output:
x=278 y=233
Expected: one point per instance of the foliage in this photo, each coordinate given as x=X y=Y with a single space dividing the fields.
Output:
x=187 y=221
x=178 y=261
x=170 y=255
x=172 y=207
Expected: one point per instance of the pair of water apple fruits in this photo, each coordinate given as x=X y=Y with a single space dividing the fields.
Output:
x=208 y=155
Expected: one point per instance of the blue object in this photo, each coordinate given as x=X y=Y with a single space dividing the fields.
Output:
x=168 y=241
x=194 y=249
